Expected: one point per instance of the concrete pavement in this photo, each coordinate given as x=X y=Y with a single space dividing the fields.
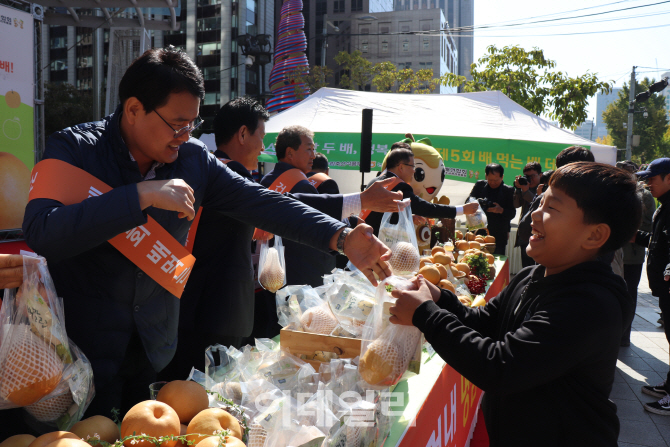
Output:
x=645 y=362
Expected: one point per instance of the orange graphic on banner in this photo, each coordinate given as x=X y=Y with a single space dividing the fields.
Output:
x=148 y=246
x=365 y=213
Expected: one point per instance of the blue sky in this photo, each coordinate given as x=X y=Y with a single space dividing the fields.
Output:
x=608 y=44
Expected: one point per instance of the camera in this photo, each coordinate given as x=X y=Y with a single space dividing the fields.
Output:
x=523 y=181
x=485 y=204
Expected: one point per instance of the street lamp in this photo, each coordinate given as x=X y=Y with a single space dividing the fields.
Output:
x=639 y=98
x=324 y=42
x=258 y=52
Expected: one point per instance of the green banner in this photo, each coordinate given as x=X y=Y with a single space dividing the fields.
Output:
x=464 y=157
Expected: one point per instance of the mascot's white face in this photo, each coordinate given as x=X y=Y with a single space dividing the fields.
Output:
x=427 y=181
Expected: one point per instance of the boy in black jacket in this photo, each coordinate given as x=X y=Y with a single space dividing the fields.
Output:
x=545 y=349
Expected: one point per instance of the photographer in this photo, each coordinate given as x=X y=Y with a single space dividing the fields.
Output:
x=496 y=199
x=526 y=186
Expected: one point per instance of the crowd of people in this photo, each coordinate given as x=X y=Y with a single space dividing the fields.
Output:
x=544 y=350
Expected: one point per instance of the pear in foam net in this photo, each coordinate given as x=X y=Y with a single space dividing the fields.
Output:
x=272 y=275
x=405 y=258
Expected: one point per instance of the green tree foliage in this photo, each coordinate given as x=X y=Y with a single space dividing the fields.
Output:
x=652 y=130
x=314 y=77
x=527 y=78
x=357 y=70
x=65 y=106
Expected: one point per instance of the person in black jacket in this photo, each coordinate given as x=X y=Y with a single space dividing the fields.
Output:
x=400 y=164
x=120 y=317
x=320 y=165
x=658 y=264
x=218 y=305
x=503 y=211
x=544 y=351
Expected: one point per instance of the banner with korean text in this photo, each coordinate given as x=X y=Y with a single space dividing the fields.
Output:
x=16 y=114
x=464 y=157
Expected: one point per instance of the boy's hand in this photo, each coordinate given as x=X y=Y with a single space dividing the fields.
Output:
x=408 y=301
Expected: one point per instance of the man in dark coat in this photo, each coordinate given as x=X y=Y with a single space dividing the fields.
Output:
x=496 y=193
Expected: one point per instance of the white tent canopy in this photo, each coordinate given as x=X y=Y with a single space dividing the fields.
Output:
x=477 y=115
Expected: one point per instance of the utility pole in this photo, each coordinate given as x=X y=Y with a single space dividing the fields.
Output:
x=631 y=114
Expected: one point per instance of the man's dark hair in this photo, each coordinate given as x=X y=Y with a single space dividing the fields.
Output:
x=244 y=111
x=546 y=176
x=152 y=77
x=398 y=156
x=290 y=136
x=320 y=162
x=534 y=166
x=493 y=168
x=572 y=154
x=401 y=145
x=601 y=192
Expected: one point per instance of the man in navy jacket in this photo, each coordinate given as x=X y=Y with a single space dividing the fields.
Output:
x=124 y=321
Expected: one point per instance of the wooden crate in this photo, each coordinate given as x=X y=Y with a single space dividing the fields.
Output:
x=299 y=343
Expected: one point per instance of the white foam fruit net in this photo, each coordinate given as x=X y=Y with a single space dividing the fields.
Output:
x=31 y=368
x=388 y=357
x=318 y=320
x=257 y=435
x=272 y=274
x=51 y=409
x=404 y=258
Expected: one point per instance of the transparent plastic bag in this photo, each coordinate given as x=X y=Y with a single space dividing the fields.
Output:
x=386 y=349
x=271 y=265
x=477 y=220
x=41 y=369
x=401 y=239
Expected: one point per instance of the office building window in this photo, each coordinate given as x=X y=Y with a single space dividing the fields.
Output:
x=356 y=5
x=425 y=44
x=59 y=64
x=405 y=45
x=338 y=6
x=321 y=7
x=213 y=98
x=364 y=46
x=385 y=46
x=211 y=73
x=208 y=24
x=58 y=42
x=208 y=49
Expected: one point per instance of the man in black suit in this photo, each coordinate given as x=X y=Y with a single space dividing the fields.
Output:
x=218 y=304
x=495 y=192
x=319 y=176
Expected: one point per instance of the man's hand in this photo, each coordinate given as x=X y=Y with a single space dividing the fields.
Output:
x=11 y=271
x=419 y=220
x=377 y=198
x=497 y=209
x=408 y=301
x=366 y=252
x=523 y=188
x=470 y=208
x=171 y=195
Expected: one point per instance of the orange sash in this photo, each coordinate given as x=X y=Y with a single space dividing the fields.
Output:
x=190 y=237
x=396 y=180
x=317 y=179
x=284 y=183
x=150 y=247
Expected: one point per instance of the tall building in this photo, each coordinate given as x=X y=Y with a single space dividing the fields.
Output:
x=416 y=39
x=460 y=16
x=602 y=101
x=208 y=31
x=587 y=130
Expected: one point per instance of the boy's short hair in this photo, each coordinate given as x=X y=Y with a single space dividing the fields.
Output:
x=243 y=111
x=572 y=154
x=398 y=156
x=534 y=166
x=157 y=73
x=320 y=162
x=290 y=136
x=601 y=192
x=494 y=167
